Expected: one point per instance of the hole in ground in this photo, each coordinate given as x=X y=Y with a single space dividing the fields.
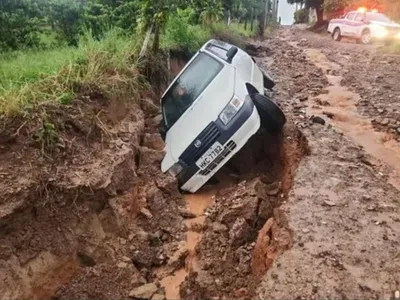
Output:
x=231 y=253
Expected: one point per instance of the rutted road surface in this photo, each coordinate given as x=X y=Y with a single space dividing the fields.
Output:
x=337 y=225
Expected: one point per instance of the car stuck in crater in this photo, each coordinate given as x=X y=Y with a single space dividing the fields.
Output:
x=211 y=109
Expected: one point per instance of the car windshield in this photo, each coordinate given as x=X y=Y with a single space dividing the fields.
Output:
x=190 y=84
x=378 y=17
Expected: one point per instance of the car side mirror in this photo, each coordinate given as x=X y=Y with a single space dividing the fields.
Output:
x=231 y=54
x=162 y=129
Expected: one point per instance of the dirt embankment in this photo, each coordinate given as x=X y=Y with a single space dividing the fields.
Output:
x=85 y=211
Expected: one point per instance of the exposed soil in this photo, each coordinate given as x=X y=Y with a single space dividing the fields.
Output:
x=312 y=213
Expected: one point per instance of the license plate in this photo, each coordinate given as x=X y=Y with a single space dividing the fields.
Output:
x=209 y=156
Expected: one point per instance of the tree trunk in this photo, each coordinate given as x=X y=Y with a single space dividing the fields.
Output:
x=320 y=14
x=146 y=41
x=266 y=13
x=245 y=23
x=252 y=20
x=229 y=17
x=261 y=25
x=156 y=42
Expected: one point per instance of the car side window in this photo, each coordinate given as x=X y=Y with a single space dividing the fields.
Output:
x=350 y=16
x=359 y=17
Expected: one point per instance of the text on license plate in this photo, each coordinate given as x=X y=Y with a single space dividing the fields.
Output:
x=209 y=156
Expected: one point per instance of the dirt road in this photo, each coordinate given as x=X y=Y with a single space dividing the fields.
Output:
x=312 y=213
x=341 y=207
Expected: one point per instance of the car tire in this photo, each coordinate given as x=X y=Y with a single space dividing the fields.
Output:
x=366 y=37
x=272 y=117
x=337 y=35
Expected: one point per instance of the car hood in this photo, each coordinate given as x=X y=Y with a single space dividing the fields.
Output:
x=203 y=111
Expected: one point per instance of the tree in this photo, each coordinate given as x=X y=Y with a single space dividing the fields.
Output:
x=212 y=12
x=316 y=4
x=20 y=23
x=66 y=18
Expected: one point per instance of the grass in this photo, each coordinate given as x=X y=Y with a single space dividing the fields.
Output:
x=32 y=78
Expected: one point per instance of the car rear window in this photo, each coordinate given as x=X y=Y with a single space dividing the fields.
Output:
x=190 y=84
x=350 y=16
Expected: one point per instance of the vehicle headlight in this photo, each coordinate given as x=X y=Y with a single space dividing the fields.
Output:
x=379 y=31
x=231 y=110
x=175 y=170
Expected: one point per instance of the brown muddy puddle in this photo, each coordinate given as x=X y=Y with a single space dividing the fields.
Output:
x=345 y=117
x=196 y=204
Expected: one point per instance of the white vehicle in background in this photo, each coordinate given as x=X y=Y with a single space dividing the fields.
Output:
x=364 y=26
x=210 y=111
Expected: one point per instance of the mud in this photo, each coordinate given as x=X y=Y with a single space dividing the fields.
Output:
x=342 y=209
x=233 y=253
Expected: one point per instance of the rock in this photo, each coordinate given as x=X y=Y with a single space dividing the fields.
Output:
x=148 y=256
x=126 y=259
x=218 y=227
x=297 y=75
x=185 y=213
x=122 y=265
x=246 y=209
x=143 y=292
x=158 y=297
x=274 y=188
x=305 y=230
x=385 y=121
x=145 y=212
x=329 y=114
x=196 y=227
x=318 y=120
x=240 y=232
x=397 y=294
x=302 y=98
x=177 y=260
x=329 y=203
x=398 y=130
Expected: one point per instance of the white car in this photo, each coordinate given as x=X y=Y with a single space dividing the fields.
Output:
x=364 y=26
x=209 y=112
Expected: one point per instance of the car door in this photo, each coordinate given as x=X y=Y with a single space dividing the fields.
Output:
x=358 y=24
x=347 y=26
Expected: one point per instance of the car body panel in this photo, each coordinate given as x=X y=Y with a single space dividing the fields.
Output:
x=355 y=25
x=205 y=110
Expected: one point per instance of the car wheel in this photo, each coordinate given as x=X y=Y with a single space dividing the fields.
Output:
x=366 y=37
x=336 y=35
x=272 y=117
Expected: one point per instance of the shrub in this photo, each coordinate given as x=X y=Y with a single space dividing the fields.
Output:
x=301 y=16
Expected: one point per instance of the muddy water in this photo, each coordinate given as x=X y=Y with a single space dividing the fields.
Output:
x=196 y=204
x=343 y=106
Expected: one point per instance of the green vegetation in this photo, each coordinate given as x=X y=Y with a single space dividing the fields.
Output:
x=52 y=50
x=301 y=16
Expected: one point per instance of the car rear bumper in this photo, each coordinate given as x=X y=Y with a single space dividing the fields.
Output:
x=233 y=137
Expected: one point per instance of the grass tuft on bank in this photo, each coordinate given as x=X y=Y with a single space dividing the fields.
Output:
x=31 y=78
